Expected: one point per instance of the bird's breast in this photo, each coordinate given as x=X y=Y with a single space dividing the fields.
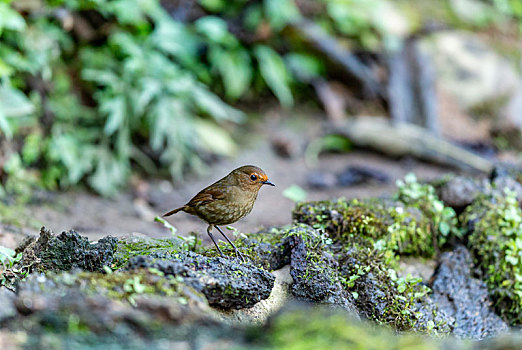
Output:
x=229 y=210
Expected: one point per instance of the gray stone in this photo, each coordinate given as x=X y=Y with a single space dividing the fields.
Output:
x=8 y=309
x=227 y=283
x=463 y=298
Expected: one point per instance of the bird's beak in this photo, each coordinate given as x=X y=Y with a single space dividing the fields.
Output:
x=267 y=183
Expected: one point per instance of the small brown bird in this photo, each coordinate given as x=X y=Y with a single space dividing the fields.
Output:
x=227 y=200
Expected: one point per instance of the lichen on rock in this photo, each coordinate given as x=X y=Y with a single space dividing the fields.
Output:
x=227 y=283
x=66 y=251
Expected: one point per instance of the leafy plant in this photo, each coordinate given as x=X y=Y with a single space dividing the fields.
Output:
x=139 y=80
x=11 y=273
x=8 y=257
x=423 y=196
x=496 y=243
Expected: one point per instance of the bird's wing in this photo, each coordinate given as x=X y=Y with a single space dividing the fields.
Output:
x=206 y=196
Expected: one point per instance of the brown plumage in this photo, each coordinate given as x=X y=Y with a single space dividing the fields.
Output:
x=227 y=200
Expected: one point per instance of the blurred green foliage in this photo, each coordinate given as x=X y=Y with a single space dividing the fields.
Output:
x=91 y=89
x=86 y=110
x=140 y=90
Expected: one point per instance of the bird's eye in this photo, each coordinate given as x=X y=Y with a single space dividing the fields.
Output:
x=253 y=177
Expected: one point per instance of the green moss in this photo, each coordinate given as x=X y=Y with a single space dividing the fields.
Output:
x=384 y=297
x=368 y=235
x=123 y=285
x=318 y=328
x=496 y=244
x=415 y=223
x=490 y=107
x=128 y=248
x=265 y=249
x=388 y=227
x=443 y=220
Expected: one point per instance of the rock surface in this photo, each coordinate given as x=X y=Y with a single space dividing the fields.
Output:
x=6 y=300
x=227 y=283
x=69 y=317
x=259 y=313
x=316 y=277
x=66 y=251
x=470 y=70
x=459 y=191
x=463 y=298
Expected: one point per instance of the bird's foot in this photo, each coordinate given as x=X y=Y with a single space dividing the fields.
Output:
x=240 y=255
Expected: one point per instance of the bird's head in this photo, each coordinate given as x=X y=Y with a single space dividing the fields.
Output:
x=251 y=177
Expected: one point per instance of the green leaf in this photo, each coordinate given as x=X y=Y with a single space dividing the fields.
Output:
x=304 y=66
x=280 y=12
x=32 y=148
x=13 y=102
x=444 y=228
x=215 y=29
x=327 y=143
x=110 y=174
x=235 y=68
x=127 y=11
x=6 y=253
x=174 y=38
x=75 y=156
x=4 y=126
x=513 y=260
x=100 y=76
x=211 y=104
x=213 y=5
x=150 y=88
x=438 y=206
x=336 y=143
x=5 y=69
x=410 y=178
x=10 y=19
x=161 y=118
x=274 y=73
x=166 y=224
x=115 y=109
x=214 y=139
x=295 y=193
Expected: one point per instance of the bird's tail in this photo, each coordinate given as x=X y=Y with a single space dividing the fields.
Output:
x=174 y=211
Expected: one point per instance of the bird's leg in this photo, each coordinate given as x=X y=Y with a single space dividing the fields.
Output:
x=209 y=231
x=232 y=244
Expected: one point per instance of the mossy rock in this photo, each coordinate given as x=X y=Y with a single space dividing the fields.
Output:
x=315 y=271
x=382 y=296
x=267 y=249
x=122 y=285
x=360 y=279
x=463 y=298
x=494 y=224
x=388 y=224
x=67 y=251
x=227 y=283
x=300 y=328
x=129 y=247
x=79 y=311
